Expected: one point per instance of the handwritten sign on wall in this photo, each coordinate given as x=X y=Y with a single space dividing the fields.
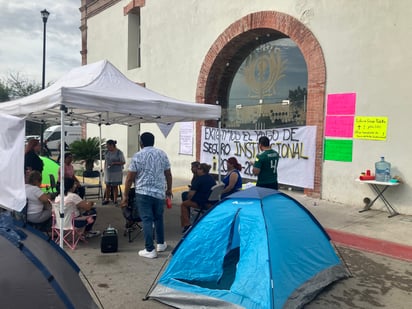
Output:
x=186 y=138
x=371 y=128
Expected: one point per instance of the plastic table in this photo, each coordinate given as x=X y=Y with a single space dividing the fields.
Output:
x=379 y=187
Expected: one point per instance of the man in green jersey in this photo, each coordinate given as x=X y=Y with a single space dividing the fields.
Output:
x=266 y=164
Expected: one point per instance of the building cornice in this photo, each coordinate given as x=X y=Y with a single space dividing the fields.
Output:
x=92 y=8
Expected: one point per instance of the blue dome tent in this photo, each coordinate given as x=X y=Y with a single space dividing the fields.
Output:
x=258 y=248
x=35 y=272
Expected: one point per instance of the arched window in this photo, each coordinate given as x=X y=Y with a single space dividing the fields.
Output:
x=269 y=89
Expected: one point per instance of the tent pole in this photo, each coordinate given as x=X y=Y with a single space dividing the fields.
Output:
x=138 y=136
x=62 y=150
x=42 y=138
x=100 y=153
x=219 y=156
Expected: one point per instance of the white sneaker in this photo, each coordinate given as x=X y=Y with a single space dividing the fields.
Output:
x=92 y=234
x=161 y=247
x=148 y=254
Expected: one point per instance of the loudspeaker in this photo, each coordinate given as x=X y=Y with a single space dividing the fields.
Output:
x=109 y=240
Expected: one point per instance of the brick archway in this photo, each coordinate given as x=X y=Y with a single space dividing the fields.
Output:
x=240 y=38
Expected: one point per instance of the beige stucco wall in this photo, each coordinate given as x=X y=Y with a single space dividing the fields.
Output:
x=366 y=50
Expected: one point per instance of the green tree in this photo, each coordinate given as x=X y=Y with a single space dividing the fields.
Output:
x=86 y=150
x=4 y=92
x=18 y=86
x=298 y=96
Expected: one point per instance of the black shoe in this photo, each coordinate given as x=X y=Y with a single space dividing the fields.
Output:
x=105 y=202
x=186 y=228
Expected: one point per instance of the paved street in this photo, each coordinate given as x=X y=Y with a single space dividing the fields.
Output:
x=377 y=282
x=123 y=278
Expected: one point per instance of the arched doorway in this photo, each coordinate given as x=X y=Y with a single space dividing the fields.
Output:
x=231 y=48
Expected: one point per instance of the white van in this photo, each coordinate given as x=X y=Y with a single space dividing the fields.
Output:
x=52 y=135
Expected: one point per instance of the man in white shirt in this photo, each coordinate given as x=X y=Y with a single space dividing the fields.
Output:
x=150 y=171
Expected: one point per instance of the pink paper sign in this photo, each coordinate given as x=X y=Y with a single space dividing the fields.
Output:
x=341 y=104
x=339 y=126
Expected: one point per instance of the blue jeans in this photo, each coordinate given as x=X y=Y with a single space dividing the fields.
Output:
x=151 y=212
x=184 y=195
x=81 y=223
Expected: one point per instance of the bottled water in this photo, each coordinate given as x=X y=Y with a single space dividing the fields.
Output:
x=387 y=175
x=382 y=170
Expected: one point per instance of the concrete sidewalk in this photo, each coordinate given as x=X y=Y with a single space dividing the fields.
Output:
x=371 y=230
x=122 y=279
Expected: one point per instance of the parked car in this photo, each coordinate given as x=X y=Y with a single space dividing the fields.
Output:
x=52 y=135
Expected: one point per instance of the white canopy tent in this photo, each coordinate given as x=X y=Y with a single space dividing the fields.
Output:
x=100 y=93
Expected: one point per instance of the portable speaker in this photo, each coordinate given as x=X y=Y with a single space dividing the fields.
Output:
x=109 y=240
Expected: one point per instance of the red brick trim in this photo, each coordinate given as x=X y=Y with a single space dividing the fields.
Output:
x=89 y=9
x=133 y=5
x=95 y=7
x=315 y=62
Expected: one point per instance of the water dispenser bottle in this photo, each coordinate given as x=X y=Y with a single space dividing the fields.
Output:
x=382 y=170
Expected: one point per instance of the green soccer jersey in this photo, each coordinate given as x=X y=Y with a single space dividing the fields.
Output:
x=267 y=162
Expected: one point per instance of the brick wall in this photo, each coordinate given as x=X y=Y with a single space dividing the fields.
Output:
x=240 y=37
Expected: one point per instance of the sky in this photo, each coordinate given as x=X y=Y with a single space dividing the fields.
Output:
x=21 y=32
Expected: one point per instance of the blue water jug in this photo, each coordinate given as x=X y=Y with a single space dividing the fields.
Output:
x=382 y=170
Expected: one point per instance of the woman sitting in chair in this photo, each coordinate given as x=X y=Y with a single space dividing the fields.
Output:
x=82 y=209
x=233 y=179
x=38 y=206
x=198 y=195
x=69 y=173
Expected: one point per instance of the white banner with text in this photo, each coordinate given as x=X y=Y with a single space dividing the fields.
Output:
x=295 y=145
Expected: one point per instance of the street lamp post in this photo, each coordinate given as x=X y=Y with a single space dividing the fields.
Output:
x=44 y=14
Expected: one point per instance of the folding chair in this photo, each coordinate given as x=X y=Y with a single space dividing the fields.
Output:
x=214 y=197
x=94 y=185
x=22 y=215
x=131 y=214
x=71 y=234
